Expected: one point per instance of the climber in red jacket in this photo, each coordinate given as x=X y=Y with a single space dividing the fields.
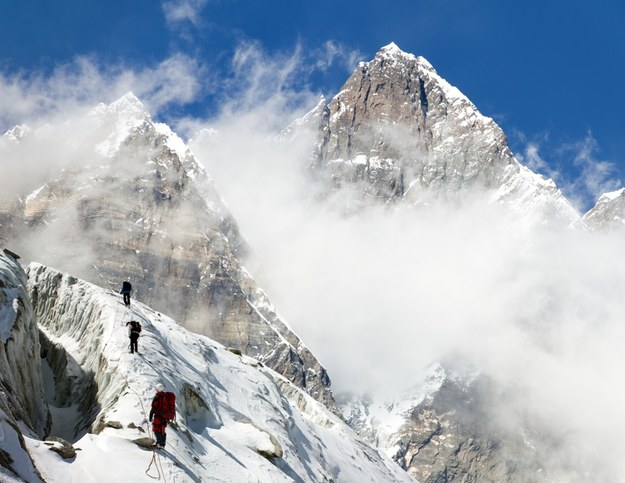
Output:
x=163 y=410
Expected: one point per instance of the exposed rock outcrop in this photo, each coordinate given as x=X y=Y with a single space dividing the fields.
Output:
x=398 y=131
x=448 y=431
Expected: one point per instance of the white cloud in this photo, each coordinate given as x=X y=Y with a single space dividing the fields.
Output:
x=180 y=11
x=83 y=83
x=597 y=176
x=332 y=52
x=381 y=294
x=533 y=160
x=574 y=166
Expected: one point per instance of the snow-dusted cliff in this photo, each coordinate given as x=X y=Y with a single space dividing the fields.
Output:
x=397 y=130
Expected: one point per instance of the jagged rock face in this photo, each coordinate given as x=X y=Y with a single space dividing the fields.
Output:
x=22 y=398
x=397 y=130
x=446 y=433
x=451 y=437
x=142 y=209
x=608 y=214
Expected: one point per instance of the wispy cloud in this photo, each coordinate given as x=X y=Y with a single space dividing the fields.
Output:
x=262 y=89
x=178 y=12
x=596 y=175
x=85 y=82
x=332 y=53
x=574 y=166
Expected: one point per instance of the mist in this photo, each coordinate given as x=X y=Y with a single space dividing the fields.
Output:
x=380 y=293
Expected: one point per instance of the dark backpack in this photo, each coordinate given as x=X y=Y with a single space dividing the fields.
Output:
x=135 y=326
x=126 y=287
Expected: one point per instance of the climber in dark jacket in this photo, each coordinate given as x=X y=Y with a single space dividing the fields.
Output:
x=125 y=291
x=134 y=330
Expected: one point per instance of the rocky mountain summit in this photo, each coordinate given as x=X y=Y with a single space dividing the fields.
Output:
x=133 y=204
x=399 y=131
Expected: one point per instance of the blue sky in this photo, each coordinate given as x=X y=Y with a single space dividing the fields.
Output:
x=550 y=73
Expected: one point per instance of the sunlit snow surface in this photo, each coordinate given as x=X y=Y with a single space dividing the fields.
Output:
x=230 y=409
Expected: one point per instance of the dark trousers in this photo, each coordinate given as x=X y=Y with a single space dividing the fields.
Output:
x=126 y=298
x=134 y=346
x=160 y=438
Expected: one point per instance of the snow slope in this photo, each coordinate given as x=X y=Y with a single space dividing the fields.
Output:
x=236 y=419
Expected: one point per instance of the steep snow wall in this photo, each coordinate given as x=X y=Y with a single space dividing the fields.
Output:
x=22 y=402
x=237 y=420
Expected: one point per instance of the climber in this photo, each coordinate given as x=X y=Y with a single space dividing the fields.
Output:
x=125 y=291
x=134 y=329
x=163 y=410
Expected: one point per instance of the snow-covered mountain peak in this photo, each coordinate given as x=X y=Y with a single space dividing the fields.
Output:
x=124 y=116
x=607 y=214
x=156 y=218
x=17 y=133
x=393 y=53
x=398 y=130
x=392 y=50
x=128 y=105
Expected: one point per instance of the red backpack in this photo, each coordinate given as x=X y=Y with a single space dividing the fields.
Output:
x=168 y=405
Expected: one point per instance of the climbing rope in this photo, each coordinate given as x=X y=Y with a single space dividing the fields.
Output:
x=156 y=459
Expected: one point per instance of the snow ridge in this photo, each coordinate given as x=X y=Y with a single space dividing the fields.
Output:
x=236 y=419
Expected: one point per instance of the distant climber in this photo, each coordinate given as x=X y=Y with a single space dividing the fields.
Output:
x=134 y=330
x=163 y=410
x=125 y=291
